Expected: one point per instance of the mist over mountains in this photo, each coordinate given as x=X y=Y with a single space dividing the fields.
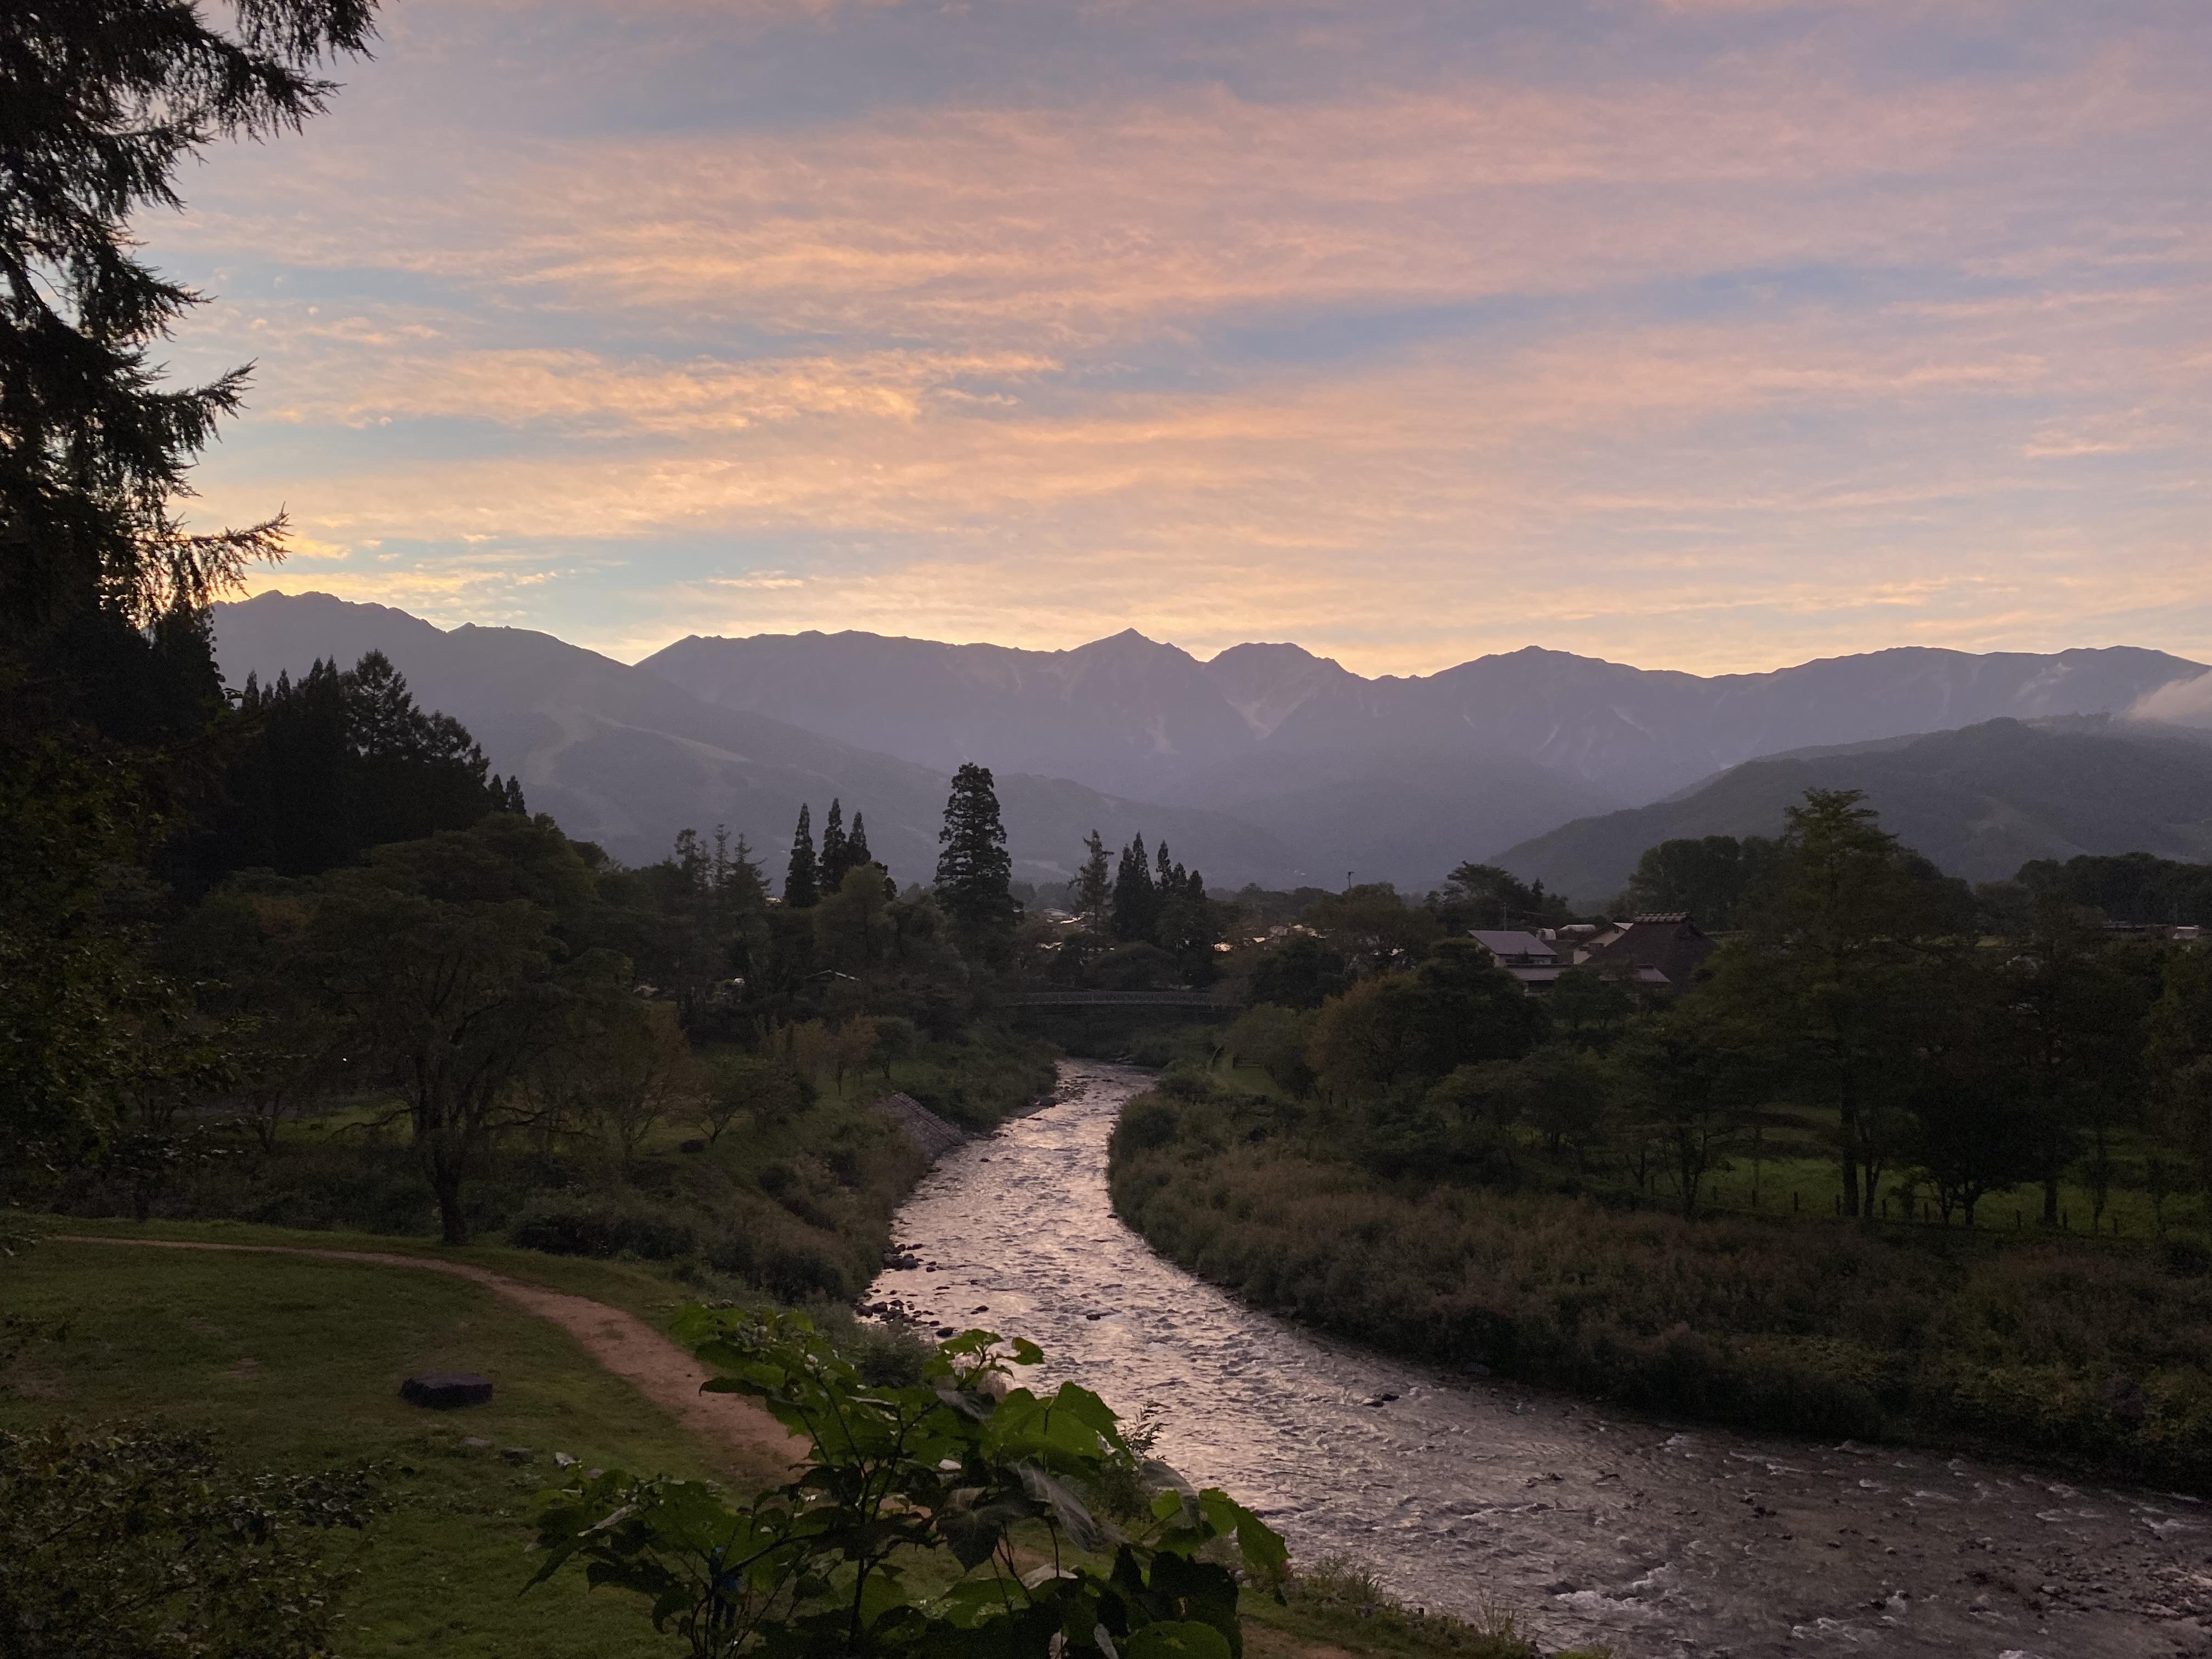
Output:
x=1267 y=762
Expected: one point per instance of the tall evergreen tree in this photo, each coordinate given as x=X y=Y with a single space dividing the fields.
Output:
x=837 y=855
x=1094 y=885
x=102 y=102
x=856 y=843
x=1132 y=894
x=105 y=101
x=339 y=762
x=802 y=878
x=974 y=872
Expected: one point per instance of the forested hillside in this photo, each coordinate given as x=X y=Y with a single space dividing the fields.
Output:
x=1979 y=802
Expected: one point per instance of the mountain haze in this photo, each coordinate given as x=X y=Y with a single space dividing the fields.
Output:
x=1140 y=717
x=624 y=757
x=1979 y=802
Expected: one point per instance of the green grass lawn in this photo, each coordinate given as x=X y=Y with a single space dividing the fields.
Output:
x=648 y=1289
x=1815 y=1184
x=294 y=1364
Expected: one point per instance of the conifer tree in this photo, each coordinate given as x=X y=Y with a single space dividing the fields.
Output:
x=1094 y=885
x=974 y=872
x=837 y=855
x=106 y=101
x=1132 y=894
x=339 y=763
x=858 y=857
x=802 y=886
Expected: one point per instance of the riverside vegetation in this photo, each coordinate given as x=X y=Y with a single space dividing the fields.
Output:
x=1606 y=1194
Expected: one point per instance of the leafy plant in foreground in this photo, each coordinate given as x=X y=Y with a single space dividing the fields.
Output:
x=134 y=1542
x=960 y=1477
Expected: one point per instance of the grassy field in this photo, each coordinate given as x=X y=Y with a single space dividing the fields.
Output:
x=295 y=1364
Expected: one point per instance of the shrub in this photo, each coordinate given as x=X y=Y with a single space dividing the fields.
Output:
x=934 y=1474
x=567 y=1227
x=128 y=1542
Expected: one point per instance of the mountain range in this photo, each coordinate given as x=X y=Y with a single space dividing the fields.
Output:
x=1265 y=762
x=1152 y=721
x=621 y=757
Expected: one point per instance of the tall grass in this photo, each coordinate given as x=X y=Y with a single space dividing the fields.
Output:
x=2092 y=1353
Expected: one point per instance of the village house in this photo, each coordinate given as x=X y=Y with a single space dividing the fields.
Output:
x=1660 y=952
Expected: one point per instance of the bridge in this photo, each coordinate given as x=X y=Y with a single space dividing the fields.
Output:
x=1201 y=999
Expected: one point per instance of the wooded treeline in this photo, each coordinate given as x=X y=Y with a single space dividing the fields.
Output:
x=1938 y=1044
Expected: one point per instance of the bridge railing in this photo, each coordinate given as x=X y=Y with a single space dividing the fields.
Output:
x=1118 y=999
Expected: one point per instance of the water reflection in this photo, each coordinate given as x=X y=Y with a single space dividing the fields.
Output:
x=1653 y=1538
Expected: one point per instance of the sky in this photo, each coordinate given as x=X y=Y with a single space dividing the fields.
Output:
x=1703 y=334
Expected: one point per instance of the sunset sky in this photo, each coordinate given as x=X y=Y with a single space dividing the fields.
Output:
x=1707 y=334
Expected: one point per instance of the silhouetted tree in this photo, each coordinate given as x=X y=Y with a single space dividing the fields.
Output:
x=801 y=876
x=1485 y=896
x=1133 y=901
x=1303 y=972
x=1094 y=885
x=1711 y=877
x=105 y=100
x=336 y=764
x=974 y=872
x=837 y=855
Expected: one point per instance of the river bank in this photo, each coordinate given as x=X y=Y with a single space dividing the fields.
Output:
x=1601 y=1525
x=2093 y=1357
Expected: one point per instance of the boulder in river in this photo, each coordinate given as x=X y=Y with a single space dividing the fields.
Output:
x=444 y=1390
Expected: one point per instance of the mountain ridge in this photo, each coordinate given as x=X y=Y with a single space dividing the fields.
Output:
x=623 y=758
x=1266 y=761
x=1634 y=734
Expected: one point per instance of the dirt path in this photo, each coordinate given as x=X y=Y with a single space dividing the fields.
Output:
x=622 y=1342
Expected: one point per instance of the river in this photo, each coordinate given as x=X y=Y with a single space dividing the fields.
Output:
x=1595 y=1526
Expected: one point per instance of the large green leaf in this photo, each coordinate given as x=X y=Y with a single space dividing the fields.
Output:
x=1070 y=1510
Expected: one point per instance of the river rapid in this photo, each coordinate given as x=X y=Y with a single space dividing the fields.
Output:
x=1652 y=1537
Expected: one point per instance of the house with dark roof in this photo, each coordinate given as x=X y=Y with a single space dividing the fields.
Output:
x=1532 y=959
x=1662 y=949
